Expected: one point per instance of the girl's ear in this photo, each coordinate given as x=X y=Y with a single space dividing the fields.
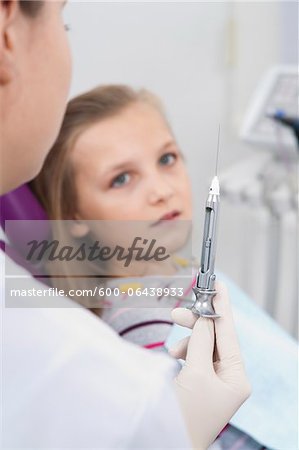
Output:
x=8 y=13
x=79 y=228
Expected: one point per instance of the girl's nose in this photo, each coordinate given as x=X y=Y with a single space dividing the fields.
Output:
x=159 y=191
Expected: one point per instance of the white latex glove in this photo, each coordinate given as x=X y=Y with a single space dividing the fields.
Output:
x=212 y=384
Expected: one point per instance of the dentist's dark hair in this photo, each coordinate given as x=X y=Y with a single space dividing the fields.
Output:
x=31 y=8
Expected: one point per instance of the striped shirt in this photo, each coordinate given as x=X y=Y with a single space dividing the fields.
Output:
x=139 y=309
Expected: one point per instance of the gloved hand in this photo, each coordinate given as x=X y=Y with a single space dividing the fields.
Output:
x=212 y=384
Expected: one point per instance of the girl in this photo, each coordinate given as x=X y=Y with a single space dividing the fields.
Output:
x=116 y=159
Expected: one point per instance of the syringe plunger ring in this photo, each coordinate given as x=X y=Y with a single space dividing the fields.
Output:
x=203 y=305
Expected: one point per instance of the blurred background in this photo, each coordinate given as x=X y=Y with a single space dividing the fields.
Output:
x=210 y=63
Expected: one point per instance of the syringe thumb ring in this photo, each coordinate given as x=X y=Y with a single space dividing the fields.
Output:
x=203 y=304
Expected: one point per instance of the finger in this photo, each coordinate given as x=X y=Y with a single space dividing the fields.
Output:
x=226 y=337
x=179 y=350
x=201 y=345
x=184 y=317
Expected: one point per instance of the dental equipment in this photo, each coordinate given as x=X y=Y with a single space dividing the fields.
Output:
x=289 y=121
x=205 y=280
x=261 y=193
x=278 y=90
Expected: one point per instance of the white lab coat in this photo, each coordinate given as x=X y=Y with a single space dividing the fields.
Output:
x=70 y=382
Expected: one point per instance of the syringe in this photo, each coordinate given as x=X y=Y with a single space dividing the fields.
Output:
x=204 y=289
x=205 y=281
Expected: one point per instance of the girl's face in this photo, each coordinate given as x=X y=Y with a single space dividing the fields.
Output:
x=129 y=167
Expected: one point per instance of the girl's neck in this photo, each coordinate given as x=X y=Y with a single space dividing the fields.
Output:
x=148 y=268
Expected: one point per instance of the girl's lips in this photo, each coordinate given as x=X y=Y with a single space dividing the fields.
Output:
x=169 y=216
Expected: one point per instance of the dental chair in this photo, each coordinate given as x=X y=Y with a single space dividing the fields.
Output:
x=22 y=205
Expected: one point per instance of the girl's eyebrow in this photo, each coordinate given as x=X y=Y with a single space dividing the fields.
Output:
x=169 y=143
x=117 y=167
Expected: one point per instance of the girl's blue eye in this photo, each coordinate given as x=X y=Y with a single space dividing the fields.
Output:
x=120 y=180
x=168 y=159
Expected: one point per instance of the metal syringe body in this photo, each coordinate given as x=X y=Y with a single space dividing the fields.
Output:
x=205 y=281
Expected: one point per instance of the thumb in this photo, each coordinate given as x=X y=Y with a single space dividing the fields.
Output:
x=201 y=345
